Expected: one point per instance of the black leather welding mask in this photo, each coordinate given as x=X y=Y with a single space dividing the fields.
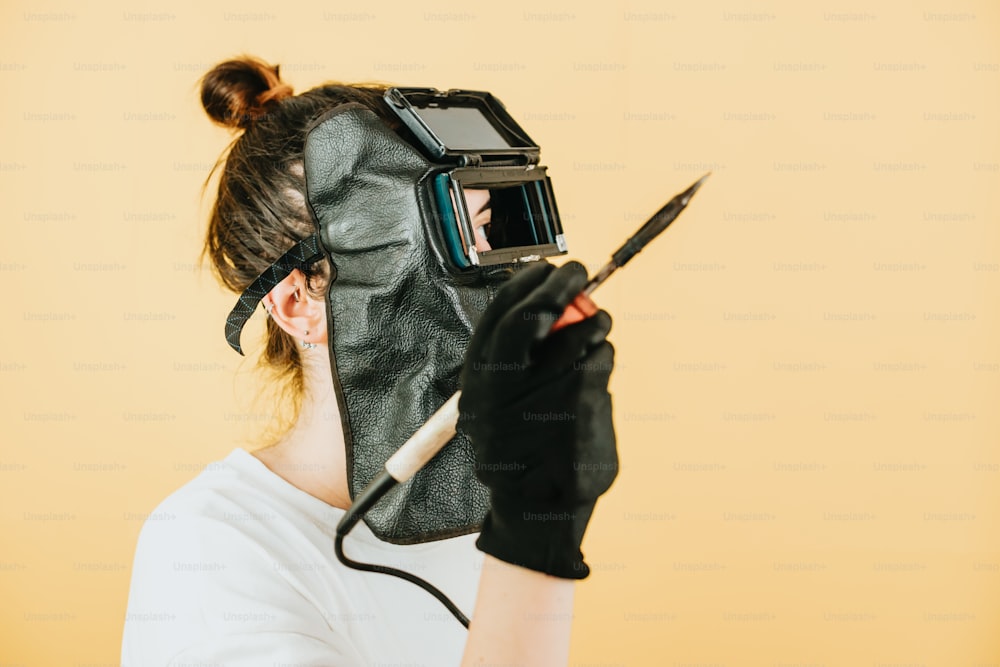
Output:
x=401 y=304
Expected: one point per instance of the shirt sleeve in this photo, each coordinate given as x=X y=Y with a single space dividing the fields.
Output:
x=204 y=592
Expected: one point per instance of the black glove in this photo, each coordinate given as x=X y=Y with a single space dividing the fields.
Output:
x=537 y=409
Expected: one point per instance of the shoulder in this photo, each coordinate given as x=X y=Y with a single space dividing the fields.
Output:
x=196 y=531
x=198 y=509
x=228 y=526
x=207 y=572
x=235 y=513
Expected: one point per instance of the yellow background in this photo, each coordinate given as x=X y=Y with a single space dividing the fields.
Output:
x=808 y=370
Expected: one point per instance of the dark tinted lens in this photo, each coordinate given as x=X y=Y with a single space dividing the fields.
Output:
x=520 y=216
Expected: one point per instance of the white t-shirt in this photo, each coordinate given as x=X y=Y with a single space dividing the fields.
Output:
x=237 y=568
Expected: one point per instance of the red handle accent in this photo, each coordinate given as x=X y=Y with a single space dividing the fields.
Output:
x=580 y=309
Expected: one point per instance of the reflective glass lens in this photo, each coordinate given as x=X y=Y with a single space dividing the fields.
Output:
x=497 y=222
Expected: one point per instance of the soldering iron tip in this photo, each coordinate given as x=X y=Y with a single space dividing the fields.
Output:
x=685 y=196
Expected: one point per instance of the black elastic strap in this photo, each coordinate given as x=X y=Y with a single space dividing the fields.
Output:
x=302 y=254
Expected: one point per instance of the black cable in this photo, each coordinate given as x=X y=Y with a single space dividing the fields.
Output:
x=338 y=547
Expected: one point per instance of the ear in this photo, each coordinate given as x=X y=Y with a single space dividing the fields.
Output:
x=297 y=313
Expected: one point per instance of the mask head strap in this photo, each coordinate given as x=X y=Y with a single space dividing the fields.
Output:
x=302 y=254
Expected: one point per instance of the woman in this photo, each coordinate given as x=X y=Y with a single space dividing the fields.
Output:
x=237 y=567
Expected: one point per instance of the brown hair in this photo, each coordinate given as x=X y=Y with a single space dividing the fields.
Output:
x=260 y=210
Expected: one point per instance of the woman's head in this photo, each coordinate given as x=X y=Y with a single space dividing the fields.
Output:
x=260 y=211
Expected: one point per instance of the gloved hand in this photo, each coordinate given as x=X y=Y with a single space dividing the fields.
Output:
x=538 y=412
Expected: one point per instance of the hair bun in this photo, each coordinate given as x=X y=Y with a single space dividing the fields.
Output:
x=236 y=93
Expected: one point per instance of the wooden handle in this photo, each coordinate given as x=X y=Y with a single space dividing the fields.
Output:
x=426 y=442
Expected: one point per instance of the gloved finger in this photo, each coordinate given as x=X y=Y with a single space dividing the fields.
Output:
x=531 y=319
x=593 y=369
x=513 y=291
x=568 y=351
x=571 y=343
x=585 y=380
x=599 y=363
